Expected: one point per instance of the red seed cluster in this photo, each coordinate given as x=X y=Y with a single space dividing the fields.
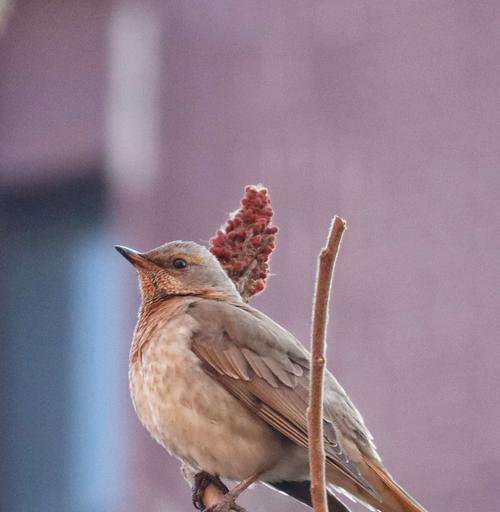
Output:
x=244 y=245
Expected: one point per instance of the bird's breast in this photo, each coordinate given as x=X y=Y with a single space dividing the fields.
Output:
x=190 y=414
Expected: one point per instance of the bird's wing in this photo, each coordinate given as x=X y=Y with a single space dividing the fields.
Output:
x=266 y=368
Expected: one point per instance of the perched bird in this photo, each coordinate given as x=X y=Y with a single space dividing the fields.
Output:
x=225 y=388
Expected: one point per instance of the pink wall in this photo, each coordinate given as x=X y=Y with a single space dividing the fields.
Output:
x=52 y=86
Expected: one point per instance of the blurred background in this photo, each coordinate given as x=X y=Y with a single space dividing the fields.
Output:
x=138 y=122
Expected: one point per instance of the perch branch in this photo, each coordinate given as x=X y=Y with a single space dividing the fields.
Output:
x=326 y=264
x=212 y=493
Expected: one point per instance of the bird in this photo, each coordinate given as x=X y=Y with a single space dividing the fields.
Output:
x=224 y=388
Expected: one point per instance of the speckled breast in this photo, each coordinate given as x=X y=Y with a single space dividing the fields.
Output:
x=189 y=413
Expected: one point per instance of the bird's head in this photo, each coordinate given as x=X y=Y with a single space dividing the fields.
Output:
x=179 y=268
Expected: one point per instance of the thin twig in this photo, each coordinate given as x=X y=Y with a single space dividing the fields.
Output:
x=326 y=264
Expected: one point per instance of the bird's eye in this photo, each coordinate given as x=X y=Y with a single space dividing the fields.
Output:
x=179 y=263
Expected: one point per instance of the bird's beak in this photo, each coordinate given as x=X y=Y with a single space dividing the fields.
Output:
x=136 y=258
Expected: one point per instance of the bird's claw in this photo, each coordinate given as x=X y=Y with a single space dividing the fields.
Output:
x=201 y=481
x=227 y=504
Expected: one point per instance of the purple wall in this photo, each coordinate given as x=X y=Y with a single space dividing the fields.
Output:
x=52 y=87
x=385 y=113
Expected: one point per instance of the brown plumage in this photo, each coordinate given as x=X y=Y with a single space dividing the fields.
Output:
x=225 y=388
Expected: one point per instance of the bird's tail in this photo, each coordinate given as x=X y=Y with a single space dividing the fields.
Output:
x=393 y=498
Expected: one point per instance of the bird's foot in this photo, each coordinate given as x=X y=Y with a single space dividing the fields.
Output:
x=227 y=504
x=201 y=481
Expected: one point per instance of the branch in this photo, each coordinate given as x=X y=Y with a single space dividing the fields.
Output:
x=211 y=495
x=326 y=264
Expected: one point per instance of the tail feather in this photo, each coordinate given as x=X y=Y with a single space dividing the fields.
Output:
x=393 y=498
x=391 y=492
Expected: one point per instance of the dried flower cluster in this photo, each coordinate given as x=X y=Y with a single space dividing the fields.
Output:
x=245 y=243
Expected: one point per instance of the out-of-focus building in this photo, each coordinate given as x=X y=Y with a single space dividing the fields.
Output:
x=139 y=122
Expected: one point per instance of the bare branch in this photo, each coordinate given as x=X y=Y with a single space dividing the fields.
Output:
x=326 y=264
